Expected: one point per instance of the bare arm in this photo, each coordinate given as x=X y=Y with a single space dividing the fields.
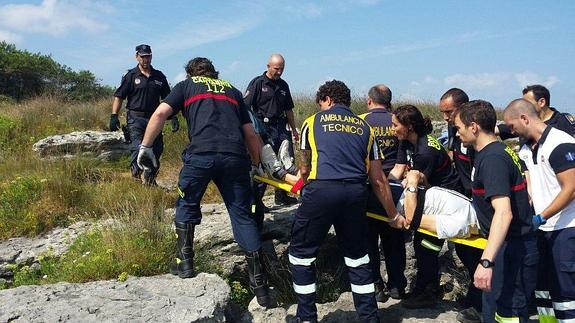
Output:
x=116 y=105
x=499 y=226
x=567 y=182
x=410 y=199
x=156 y=123
x=397 y=172
x=291 y=122
x=253 y=142
x=380 y=187
x=305 y=164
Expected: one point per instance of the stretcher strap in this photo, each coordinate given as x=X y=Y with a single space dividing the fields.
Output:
x=418 y=213
x=297 y=186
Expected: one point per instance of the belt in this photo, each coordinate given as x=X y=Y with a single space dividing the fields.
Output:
x=140 y=114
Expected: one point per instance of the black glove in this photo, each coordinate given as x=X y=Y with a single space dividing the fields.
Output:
x=114 y=122
x=175 y=124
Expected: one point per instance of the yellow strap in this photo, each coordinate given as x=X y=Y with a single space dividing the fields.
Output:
x=502 y=319
x=473 y=241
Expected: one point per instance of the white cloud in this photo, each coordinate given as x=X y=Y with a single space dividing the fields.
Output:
x=529 y=78
x=234 y=66
x=193 y=34
x=10 y=37
x=477 y=81
x=54 y=17
x=305 y=10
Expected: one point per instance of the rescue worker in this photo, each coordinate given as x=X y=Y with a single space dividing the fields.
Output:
x=540 y=97
x=269 y=97
x=462 y=157
x=219 y=129
x=549 y=155
x=507 y=271
x=338 y=150
x=392 y=239
x=423 y=152
x=144 y=87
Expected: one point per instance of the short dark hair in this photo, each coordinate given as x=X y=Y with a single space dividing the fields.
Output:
x=336 y=90
x=409 y=115
x=539 y=91
x=201 y=66
x=458 y=96
x=480 y=112
x=380 y=95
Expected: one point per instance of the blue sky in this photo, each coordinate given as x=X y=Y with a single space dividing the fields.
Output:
x=419 y=49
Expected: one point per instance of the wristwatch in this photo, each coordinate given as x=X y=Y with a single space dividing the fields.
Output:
x=486 y=263
x=412 y=189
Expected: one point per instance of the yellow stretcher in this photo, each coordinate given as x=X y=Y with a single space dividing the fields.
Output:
x=474 y=241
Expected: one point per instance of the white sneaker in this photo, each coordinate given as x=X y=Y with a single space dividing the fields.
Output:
x=270 y=161
x=284 y=155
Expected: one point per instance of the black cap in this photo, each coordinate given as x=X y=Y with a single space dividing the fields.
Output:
x=143 y=50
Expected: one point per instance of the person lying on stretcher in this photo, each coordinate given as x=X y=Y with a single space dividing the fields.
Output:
x=444 y=212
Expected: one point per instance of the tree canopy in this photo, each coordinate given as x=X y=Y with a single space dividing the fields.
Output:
x=24 y=75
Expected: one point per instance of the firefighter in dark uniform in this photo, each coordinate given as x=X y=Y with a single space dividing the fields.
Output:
x=462 y=157
x=507 y=271
x=219 y=130
x=392 y=239
x=540 y=97
x=338 y=155
x=269 y=97
x=144 y=87
x=423 y=152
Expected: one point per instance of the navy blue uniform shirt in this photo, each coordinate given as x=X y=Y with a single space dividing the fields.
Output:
x=215 y=113
x=380 y=121
x=497 y=171
x=430 y=158
x=462 y=159
x=268 y=98
x=341 y=144
x=143 y=93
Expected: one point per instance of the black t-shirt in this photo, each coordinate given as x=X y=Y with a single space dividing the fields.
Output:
x=215 y=113
x=380 y=121
x=562 y=121
x=430 y=158
x=497 y=171
x=143 y=93
x=268 y=98
x=462 y=159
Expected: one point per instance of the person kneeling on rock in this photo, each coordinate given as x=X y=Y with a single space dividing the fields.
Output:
x=219 y=130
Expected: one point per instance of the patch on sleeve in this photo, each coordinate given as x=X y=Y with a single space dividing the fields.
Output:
x=570 y=118
x=570 y=156
x=246 y=94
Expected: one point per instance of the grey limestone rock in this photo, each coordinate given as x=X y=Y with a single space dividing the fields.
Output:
x=103 y=145
x=166 y=298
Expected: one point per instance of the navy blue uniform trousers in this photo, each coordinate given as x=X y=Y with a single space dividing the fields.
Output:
x=513 y=281
x=392 y=243
x=343 y=205
x=137 y=127
x=230 y=173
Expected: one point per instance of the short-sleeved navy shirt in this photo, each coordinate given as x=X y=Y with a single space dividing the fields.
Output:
x=215 y=113
x=430 y=158
x=562 y=121
x=268 y=98
x=341 y=144
x=380 y=121
x=462 y=159
x=143 y=93
x=497 y=171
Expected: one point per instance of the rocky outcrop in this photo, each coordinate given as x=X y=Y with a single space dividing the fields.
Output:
x=343 y=310
x=166 y=298
x=102 y=145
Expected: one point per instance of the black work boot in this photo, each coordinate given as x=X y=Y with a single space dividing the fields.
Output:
x=184 y=265
x=281 y=198
x=258 y=277
x=380 y=295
